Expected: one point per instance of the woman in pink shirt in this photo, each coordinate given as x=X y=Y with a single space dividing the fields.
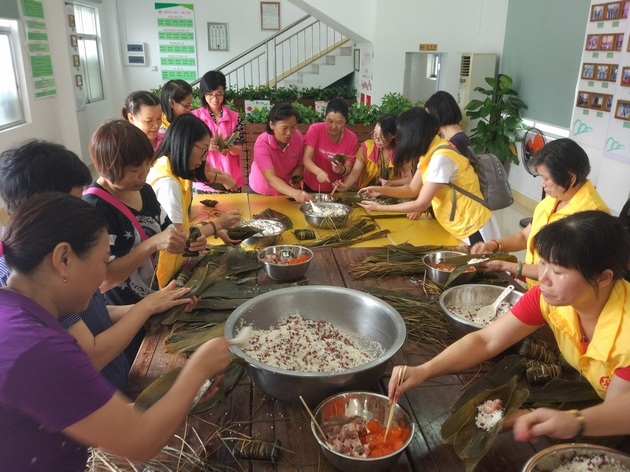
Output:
x=278 y=156
x=224 y=122
x=323 y=141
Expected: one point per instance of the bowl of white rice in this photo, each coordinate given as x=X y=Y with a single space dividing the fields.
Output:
x=461 y=304
x=315 y=341
x=578 y=458
x=326 y=215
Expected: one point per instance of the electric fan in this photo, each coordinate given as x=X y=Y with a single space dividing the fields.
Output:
x=533 y=141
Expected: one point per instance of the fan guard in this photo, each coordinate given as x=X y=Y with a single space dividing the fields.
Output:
x=533 y=141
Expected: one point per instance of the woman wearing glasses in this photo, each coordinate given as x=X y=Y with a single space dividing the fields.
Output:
x=325 y=140
x=222 y=122
x=182 y=151
x=176 y=99
x=375 y=159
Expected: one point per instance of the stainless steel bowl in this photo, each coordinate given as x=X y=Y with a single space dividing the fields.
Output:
x=270 y=232
x=346 y=309
x=555 y=456
x=326 y=222
x=366 y=405
x=285 y=272
x=323 y=198
x=468 y=295
x=440 y=276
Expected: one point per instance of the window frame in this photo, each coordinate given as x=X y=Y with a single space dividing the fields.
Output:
x=82 y=39
x=9 y=28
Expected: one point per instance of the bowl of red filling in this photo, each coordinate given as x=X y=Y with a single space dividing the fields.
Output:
x=354 y=426
x=286 y=262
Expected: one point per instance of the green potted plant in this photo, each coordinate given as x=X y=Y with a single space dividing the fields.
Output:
x=499 y=119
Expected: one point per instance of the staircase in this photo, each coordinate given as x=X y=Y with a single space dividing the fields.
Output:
x=307 y=53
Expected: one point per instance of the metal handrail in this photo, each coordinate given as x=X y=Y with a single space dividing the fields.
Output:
x=263 y=59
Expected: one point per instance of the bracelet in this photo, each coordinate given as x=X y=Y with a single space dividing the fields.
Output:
x=519 y=270
x=498 y=245
x=345 y=171
x=581 y=422
x=216 y=174
x=214 y=227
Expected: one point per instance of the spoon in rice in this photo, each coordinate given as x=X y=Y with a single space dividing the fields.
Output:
x=392 y=407
x=487 y=313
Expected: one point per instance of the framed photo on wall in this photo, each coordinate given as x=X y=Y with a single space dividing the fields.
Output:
x=592 y=42
x=625 y=10
x=625 y=76
x=73 y=40
x=622 y=110
x=608 y=100
x=71 y=22
x=76 y=60
x=78 y=80
x=613 y=72
x=618 y=42
x=217 y=36
x=597 y=12
x=583 y=99
x=613 y=10
x=597 y=101
x=603 y=71
x=269 y=15
x=357 y=60
x=588 y=71
x=607 y=42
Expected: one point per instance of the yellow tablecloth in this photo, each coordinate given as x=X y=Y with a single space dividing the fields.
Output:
x=402 y=230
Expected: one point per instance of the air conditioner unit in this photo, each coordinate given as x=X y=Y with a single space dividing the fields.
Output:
x=473 y=69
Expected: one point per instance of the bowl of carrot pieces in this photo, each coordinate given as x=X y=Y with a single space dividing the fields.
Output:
x=356 y=439
x=286 y=262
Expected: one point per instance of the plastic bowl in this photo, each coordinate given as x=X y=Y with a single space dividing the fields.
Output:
x=366 y=405
x=285 y=272
x=440 y=276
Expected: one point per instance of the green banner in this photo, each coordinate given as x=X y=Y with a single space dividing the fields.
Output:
x=41 y=66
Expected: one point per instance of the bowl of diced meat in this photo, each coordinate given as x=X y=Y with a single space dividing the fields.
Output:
x=461 y=304
x=285 y=262
x=439 y=272
x=354 y=425
x=315 y=340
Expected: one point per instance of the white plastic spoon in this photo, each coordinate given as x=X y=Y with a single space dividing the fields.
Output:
x=488 y=312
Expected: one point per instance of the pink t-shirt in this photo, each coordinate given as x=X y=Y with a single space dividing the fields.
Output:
x=268 y=155
x=323 y=151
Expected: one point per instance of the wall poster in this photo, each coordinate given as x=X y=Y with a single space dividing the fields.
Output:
x=176 y=40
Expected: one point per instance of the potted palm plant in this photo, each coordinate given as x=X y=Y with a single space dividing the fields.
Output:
x=498 y=119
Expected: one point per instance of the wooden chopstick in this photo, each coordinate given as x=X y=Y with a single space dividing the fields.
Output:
x=392 y=407
x=314 y=420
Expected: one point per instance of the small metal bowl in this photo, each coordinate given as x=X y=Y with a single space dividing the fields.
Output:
x=270 y=231
x=440 y=276
x=561 y=454
x=366 y=405
x=323 y=198
x=285 y=272
x=326 y=222
x=469 y=295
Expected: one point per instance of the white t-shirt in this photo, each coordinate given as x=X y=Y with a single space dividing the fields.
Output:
x=170 y=197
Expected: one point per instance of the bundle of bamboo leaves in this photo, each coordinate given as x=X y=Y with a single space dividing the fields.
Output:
x=356 y=231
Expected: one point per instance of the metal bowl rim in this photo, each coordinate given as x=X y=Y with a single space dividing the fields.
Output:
x=559 y=448
x=281 y=227
x=459 y=319
x=348 y=209
x=303 y=248
x=461 y=253
x=412 y=427
x=399 y=322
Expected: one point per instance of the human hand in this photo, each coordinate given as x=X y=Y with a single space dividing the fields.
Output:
x=164 y=299
x=341 y=186
x=227 y=219
x=410 y=380
x=302 y=197
x=338 y=167
x=212 y=357
x=322 y=177
x=198 y=245
x=368 y=205
x=227 y=181
x=414 y=215
x=170 y=240
x=544 y=421
x=385 y=182
x=482 y=248
x=371 y=191
x=496 y=266
x=213 y=144
x=223 y=235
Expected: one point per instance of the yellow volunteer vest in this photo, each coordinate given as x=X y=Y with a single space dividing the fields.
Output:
x=370 y=168
x=470 y=216
x=586 y=198
x=169 y=264
x=610 y=347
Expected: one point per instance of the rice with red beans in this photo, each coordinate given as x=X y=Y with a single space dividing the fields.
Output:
x=598 y=462
x=305 y=345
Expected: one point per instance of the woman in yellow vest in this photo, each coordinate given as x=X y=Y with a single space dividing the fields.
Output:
x=563 y=167
x=375 y=159
x=439 y=165
x=183 y=150
x=582 y=296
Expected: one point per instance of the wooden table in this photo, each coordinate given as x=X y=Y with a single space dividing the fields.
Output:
x=419 y=232
x=249 y=410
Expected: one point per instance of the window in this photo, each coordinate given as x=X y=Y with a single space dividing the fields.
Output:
x=11 y=111
x=87 y=42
